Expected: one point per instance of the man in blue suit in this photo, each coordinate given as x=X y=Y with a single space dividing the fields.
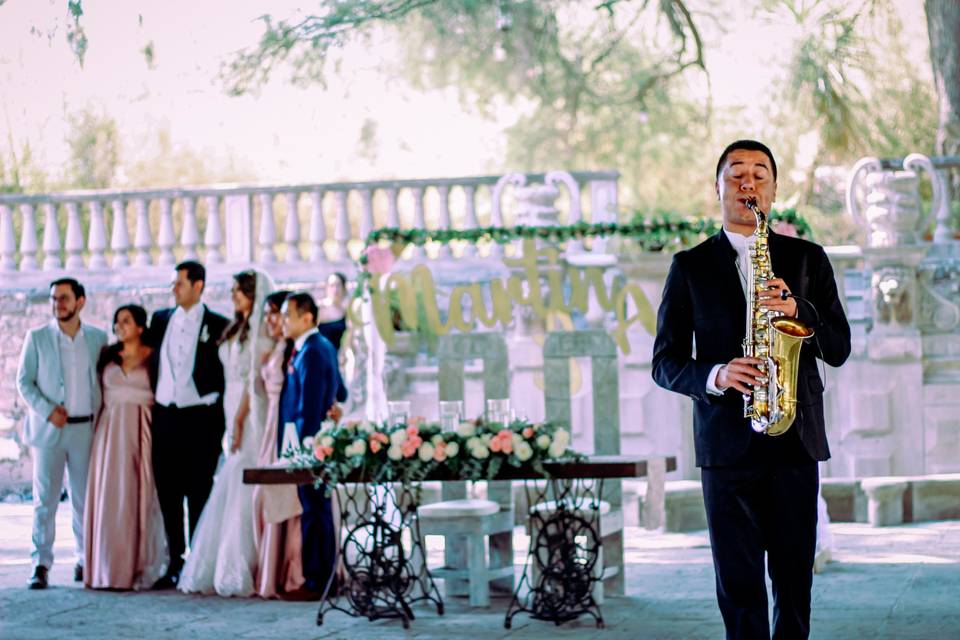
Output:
x=311 y=387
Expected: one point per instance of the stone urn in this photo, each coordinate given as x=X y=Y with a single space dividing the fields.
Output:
x=892 y=215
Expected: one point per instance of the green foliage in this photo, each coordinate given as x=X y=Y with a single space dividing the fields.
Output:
x=94 y=149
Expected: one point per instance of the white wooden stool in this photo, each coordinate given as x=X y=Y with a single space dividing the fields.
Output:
x=471 y=520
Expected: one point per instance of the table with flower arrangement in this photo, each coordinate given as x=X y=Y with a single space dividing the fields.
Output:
x=379 y=470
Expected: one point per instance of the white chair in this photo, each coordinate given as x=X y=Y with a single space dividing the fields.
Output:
x=471 y=521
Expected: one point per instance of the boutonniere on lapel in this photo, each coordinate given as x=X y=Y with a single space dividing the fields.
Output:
x=204 y=334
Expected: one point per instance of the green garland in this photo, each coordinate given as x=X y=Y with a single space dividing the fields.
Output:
x=651 y=234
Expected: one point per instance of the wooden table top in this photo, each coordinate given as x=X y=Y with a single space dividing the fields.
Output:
x=591 y=467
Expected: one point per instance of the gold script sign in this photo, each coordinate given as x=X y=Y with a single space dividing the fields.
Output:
x=504 y=295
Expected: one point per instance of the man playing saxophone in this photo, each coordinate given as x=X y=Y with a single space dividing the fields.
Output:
x=760 y=490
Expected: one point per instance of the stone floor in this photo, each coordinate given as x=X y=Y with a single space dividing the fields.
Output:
x=897 y=582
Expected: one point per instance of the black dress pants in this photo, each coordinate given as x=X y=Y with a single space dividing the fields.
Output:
x=319 y=537
x=186 y=449
x=759 y=509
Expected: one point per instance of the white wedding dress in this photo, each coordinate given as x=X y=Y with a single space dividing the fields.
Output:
x=223 y=554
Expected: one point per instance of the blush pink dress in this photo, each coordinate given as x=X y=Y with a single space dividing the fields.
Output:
x=276 y=508
x=125 y=544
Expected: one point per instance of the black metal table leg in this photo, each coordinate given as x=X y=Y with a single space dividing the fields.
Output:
x=381 y=577
x=558 y=580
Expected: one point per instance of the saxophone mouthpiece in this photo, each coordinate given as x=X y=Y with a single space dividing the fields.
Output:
x=750 y=202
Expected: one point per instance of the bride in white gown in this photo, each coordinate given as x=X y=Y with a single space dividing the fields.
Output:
x=223 y=554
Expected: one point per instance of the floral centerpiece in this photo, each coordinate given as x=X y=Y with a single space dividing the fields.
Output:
x=410 y=452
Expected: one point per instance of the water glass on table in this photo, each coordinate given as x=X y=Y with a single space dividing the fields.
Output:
x=451 y=413
x=498 y=411
x=398 y=412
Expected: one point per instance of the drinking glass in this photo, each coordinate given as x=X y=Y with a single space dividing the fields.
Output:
x=451 y=412
x=398 y=412
x=498 y=410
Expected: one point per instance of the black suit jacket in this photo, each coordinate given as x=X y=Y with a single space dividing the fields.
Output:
x=207 y=368
x=703 y=301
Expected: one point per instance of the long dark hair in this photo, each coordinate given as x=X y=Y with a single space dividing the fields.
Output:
x=111 y=353
x=276 y=300
x=247 y=282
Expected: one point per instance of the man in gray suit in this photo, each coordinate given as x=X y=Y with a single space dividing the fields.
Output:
x=57 y=379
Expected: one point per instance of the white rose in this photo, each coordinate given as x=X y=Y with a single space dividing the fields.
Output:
x=517 y=439
x=398 y=437
x=426 y=452
x=365 y=427
x=562 y=435
x=326 y=441
x=359 y=447
x=328 y=425
x=437 y=440
x=543 y=441
x=480 y=452
x=473 y=443
x=487 y=437
x=308 y=442
x=556 y=449
x=524 y=451
x=395 y=453
x=452 y=449
x=466 y=430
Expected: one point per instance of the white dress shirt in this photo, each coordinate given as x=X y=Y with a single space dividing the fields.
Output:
x=178 y=354
x=298 y=343
x=742 y=245
x=77 y=374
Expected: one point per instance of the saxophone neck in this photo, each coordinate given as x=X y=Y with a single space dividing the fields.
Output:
x=761 y=216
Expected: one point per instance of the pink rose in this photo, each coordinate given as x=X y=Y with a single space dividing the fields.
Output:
x=440 y=452
x=379 y=259
x=528 y=432
x=320 y=452
x=787 y=229
x=375 y=446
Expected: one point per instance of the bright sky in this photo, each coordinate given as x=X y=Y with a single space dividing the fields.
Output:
x=285 y=134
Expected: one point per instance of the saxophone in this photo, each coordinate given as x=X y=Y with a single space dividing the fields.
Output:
x=773 y=338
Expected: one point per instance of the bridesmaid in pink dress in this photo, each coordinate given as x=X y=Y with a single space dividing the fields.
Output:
x=276 y=508
x=125 y=543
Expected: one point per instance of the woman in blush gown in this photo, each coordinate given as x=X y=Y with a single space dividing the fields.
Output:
x=223 y=553
x=125 y=543
x=276 y=508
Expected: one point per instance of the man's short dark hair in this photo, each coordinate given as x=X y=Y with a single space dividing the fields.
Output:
x=78 y=290
x=304 y=303
x=748 y=145
x=195 y=271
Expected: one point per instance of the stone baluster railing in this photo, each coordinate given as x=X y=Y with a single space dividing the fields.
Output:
x=291 y=229
x=318 y=228
x=120 y=237
x=149 y=230
x=213 y=235
x=51 y=238
x=341 y=231
x=28 y=239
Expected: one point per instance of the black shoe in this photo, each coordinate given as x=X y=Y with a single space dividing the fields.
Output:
x=39 y=578
x=168 y=581
x=78 y=573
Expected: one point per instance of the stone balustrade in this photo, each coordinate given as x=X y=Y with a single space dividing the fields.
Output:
x=120 y=232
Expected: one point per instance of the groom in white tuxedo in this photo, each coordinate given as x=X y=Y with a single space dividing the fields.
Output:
x=57 y=379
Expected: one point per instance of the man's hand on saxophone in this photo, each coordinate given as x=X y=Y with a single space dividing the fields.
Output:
x=774 y=297
x=740 y=373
